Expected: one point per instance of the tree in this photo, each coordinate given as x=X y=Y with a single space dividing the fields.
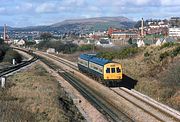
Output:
x=130 y=41
x=30 y=43
x=3 y=49
x=1 y=41
x=46 y=36
x=10 y=55
x=138 y=24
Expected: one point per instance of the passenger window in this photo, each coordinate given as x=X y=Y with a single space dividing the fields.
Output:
x=112 y=70
x=118 y=70
x=108 y=70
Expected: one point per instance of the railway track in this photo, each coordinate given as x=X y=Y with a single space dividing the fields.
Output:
x=94 y=99
x=11 y=69
x=153 y=108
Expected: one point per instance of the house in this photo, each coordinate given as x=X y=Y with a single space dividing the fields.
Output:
x=159 y=42
x=37 y=41
x=140 y=43
x=15 y=41
x=104 y=42
x=79 y=42
x=21 y=42
x=50 y=50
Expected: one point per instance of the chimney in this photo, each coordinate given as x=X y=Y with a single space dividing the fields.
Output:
x=4 y=32
x=142 y=27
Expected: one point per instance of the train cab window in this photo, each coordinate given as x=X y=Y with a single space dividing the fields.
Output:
x=113 y=70
x=118 y=70
x=108 y=70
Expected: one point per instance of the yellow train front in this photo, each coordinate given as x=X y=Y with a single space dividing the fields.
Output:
x=112 y=71
x=103 y=70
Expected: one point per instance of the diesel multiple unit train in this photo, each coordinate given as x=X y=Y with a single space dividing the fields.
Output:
x=106 y=71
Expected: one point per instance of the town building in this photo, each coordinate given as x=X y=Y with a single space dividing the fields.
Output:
x=123 y=35
x=174 y=22
x=121 y=38
x=113 y=30
x=174 y=32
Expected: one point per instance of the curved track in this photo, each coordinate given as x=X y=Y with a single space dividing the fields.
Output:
x=11 y=69
x=88 y=93
x=153 y=108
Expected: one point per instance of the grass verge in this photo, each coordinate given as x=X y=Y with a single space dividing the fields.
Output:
x=34 y=95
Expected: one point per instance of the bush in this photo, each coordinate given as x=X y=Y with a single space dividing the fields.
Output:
x=30 y=43
x=163 y=55
x=172 y=53
x=168 y=44
x=175 y=52
x=127 y=52
x=121 y=54
x=146 y=54
x=10 y=55
x=3 y=49
x=59 y=46
x=85 y=47
x=106 y=55
x=69 y=48
x=172 y=75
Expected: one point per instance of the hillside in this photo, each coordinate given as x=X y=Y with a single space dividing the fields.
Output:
x=152 y=70
x=95 y=24
x=157 y=70
x=93 y=20
x=82 y=25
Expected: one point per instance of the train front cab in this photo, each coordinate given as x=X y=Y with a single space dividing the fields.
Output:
x=113 y=71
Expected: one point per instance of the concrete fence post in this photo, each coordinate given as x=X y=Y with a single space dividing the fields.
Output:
x=3 y=82
x=14 y=62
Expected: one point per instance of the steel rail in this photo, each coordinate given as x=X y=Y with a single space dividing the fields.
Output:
x=89 y=94
x=136 y=97
x=154 y=106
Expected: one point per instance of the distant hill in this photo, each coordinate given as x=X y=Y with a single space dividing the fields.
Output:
x=2 y=28
x=83 y=25
x=95 y=24
x=93 y=20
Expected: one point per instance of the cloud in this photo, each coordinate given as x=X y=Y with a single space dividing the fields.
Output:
x=73 y=2
x=142 y=2
x=170 y=2
x=43 y=11
x=23 y=7
x=46 y=8
x=125 y=2
x=2 y=9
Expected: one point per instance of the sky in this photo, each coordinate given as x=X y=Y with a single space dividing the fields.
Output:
x=22 y=13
